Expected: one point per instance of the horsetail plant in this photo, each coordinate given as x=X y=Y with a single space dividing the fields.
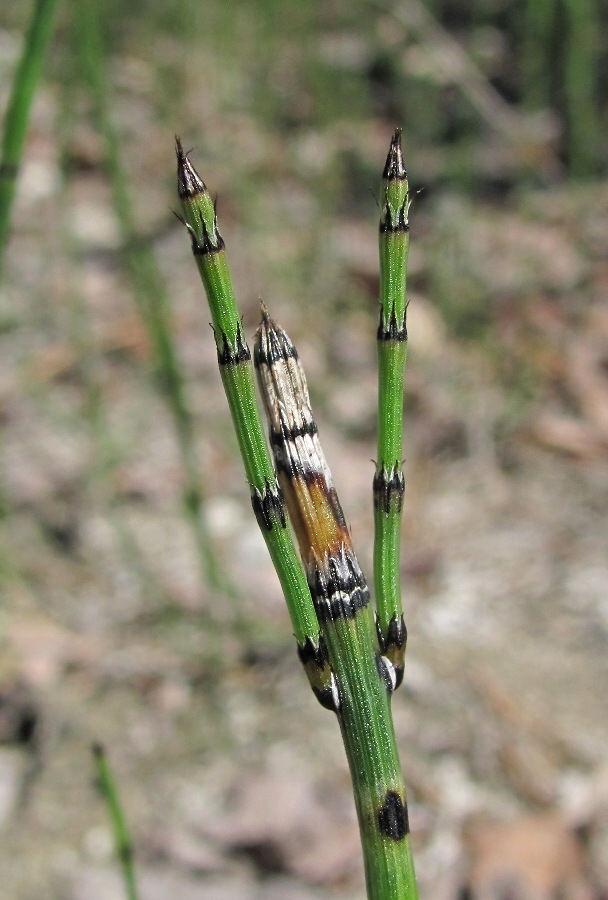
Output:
x=389 y=485
x=353 y=661
x=16 y=119
x=106 y=784
x=236 y=370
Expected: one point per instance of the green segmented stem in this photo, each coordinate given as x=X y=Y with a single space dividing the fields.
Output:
x=18 y=110
x=237 y=375
x=120 y=830
x=369 y=741
x=389 y=485
x=330 y=610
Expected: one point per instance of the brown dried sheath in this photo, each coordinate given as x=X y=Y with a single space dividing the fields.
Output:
x=364 y=678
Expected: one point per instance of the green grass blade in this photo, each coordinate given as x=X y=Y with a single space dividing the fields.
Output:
x=389 y=485
x=17 y=114
x=120 y=830
x=578 y=46
x=539 y=23
x=364 y=679
x=580 y=83
x=236 y=371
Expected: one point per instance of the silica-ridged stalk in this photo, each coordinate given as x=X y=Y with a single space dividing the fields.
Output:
x=236 y=370
x=344 y=651
x=389 y=484
x=17 y=114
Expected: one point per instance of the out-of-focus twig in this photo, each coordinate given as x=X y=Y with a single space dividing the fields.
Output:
x=453 y=65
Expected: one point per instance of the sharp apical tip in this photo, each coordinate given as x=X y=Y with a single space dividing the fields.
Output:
x=395 y=168
x=268 y=324
x=189 y=183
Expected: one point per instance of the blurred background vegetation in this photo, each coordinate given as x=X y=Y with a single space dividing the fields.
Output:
x=138 y=603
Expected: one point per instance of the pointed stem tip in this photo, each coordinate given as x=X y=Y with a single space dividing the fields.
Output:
x=395 y=169
x=264 y=311
x=272 y=342
x=268 y=327
x=189 y=183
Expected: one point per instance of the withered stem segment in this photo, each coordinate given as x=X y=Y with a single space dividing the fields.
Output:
x=364 y=677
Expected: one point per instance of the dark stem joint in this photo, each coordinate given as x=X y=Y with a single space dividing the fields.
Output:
x=389 y=489
x=340 y=591
x=212 y=242
x=9 y=171
x=315 y=660
x=386 y=672
x=232 y=356
x=393 y=820
x=269 y=507
x=395 y=225
x=125 y=853
x=289 y=435
x=274 y=352
x=395 y=331
x=393 y=645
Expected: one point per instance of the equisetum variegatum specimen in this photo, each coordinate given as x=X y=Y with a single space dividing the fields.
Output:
x=353 y=656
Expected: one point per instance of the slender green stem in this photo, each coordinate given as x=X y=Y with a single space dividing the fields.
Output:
x=17 y=114
x=150 y=292
x=538 y=27
x=578 y=36
x=389 y=485
x=580 y=82
x=371 y=749
x=120 y=830
x=236 y=371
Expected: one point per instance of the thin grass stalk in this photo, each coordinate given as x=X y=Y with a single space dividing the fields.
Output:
x=389 y=484
x=580 y=72
x=539 y=23
x=16 y=119
x=580 y=82
x=120 y=830
x=151 y=295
